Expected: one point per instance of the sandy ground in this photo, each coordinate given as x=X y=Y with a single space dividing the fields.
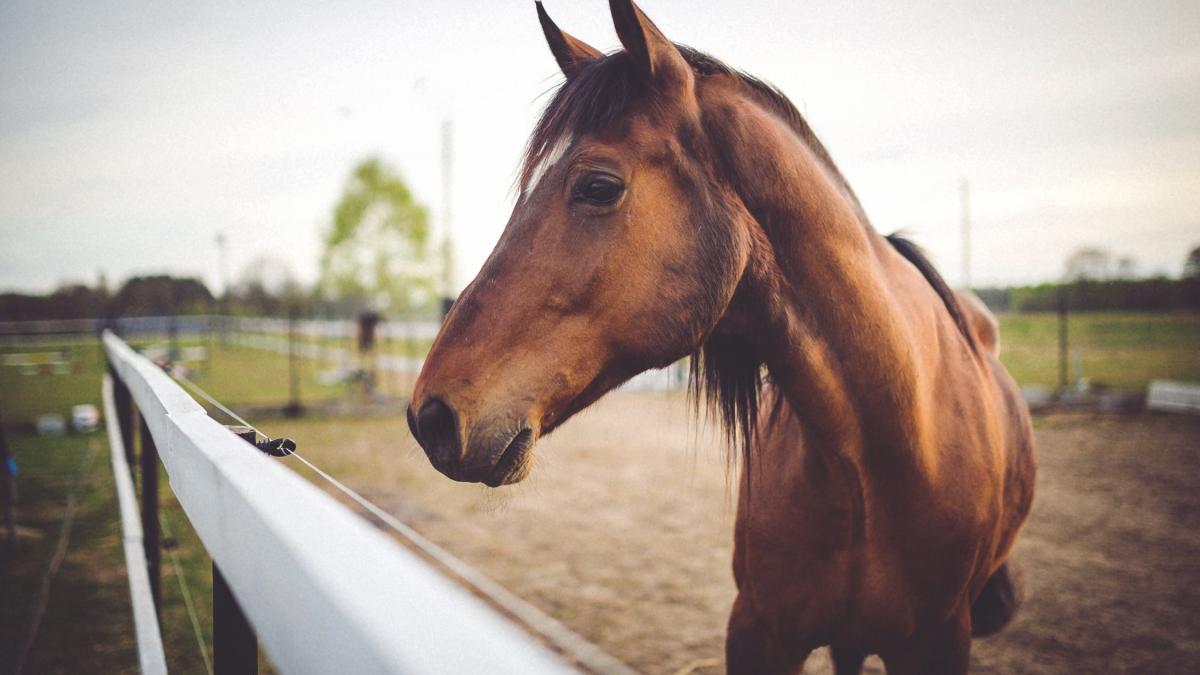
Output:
x=623 y=532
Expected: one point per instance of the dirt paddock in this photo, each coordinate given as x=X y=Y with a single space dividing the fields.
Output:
x=623 y=532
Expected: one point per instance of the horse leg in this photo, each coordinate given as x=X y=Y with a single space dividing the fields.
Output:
x=847 y=660
x=750 y=648
x=944 y=649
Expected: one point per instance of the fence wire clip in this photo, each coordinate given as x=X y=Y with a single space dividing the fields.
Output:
x=276 y=447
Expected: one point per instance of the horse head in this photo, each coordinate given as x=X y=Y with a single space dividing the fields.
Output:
x=622 y=253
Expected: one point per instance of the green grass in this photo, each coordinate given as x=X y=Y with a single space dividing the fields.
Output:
x=1121 y=351
x=247 y=376
x=24 y=397
x=87 y=626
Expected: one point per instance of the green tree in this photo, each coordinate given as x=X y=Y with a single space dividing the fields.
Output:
x=377 y=251
x=1191 y=266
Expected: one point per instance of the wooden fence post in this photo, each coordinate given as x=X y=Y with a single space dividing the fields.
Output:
x=150 y=527
x=235 y=646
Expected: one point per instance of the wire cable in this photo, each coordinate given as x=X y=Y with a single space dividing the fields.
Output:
x=208 y=397
x=187 y=595
x=551 y=631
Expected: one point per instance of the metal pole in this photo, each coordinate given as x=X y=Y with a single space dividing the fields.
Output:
x=1062 y=337
x=965 y=193
x=294 y=407
x=223 y=307
x=447 y=241
x=235 y=645
x=150 y=533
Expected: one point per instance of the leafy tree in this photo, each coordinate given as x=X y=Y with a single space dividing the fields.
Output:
x=162 y=295
x=1089 y=263
x=267 y=286
x=1191 y=266
x=377 y=250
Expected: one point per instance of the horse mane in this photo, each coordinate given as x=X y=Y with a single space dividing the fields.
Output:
x=725 y=371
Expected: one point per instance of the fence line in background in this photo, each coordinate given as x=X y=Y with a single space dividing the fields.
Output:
x=324 y=590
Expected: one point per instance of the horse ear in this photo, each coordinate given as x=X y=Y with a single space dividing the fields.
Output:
x=570 y=53
x=647 y=46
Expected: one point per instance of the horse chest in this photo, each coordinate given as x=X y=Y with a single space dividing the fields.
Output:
x=847 y=564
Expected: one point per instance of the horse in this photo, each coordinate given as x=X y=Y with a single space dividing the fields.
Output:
x=671 y=206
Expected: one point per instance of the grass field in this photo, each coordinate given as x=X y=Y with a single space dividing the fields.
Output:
x=1121 y=351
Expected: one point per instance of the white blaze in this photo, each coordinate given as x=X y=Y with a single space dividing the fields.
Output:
x=548 y=161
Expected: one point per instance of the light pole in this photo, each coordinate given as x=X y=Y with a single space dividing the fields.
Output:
x=223 y=269
x=447 y=242
x=965 y=197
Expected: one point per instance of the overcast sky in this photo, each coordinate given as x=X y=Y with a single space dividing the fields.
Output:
x=132 y=133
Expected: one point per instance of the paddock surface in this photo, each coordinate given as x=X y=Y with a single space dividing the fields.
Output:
x=624 y=532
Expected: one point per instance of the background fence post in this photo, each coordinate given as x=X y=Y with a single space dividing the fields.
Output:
x=1062 y=339
x=235 y=646
x=150 y=526
x=293 y=408
x=8 y=488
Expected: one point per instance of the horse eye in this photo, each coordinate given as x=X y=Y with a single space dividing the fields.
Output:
x=599 y=189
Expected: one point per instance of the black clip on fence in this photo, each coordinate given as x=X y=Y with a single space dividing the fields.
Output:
x=276 y=447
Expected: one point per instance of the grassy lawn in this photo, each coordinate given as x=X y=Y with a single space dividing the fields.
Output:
x=87 y=624
x=1122 y=351
x=237 y=376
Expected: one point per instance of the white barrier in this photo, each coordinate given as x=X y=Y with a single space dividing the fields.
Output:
x=324 y=591
x=151 y=658
x=1169 y=396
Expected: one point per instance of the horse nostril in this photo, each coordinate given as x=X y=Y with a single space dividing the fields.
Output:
x=436 y=429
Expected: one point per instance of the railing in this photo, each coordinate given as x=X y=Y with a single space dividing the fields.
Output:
x=323 y=590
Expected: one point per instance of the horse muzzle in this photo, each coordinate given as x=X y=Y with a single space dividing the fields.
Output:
x=497 y=450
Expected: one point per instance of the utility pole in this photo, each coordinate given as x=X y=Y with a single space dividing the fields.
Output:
x=447 y=242
x=965 y=199
x=223 y=265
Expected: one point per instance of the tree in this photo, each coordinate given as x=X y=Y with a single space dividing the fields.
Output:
x=1089 y=263
x=162 y=295
x=376 y=252
x=267 y=287
x=1191 y=266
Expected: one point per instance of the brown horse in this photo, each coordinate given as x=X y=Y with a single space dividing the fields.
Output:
x=671 y=206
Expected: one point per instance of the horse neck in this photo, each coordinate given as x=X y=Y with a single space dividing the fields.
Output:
x=819 y=294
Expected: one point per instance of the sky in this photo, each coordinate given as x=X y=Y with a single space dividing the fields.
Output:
x=131 y=133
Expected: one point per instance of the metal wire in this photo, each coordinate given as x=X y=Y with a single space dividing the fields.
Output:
x=208 y=397
x=551 y=631
x=187 y=595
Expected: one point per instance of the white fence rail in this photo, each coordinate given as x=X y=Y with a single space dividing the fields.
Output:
x=325 y=591
x=1169 y=396
x=151 y=658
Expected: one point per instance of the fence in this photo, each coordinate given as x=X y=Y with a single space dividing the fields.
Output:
x=330 y=341
x=323 y=590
